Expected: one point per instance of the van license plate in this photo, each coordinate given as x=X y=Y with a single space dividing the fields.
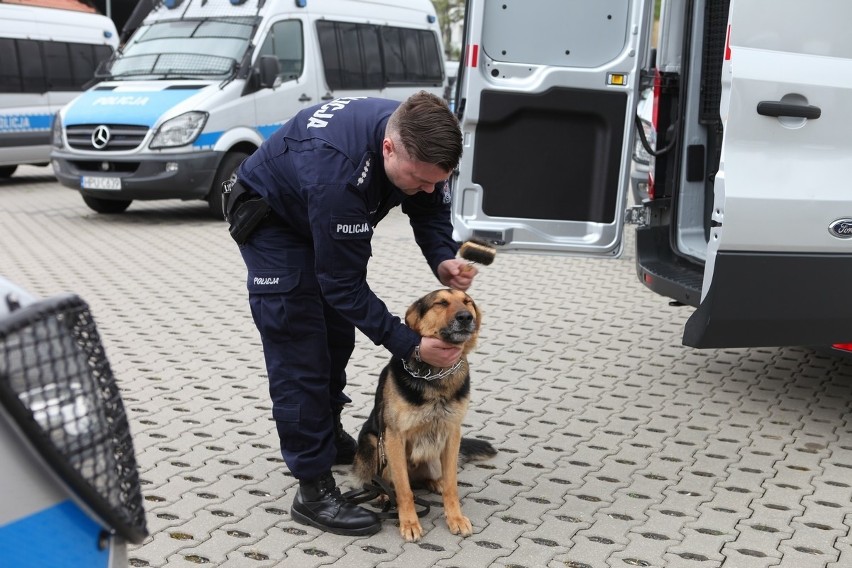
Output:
x=95 y=182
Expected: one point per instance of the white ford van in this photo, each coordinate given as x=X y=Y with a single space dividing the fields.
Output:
x=202 y=83
x=748 y=217
x=47 y=57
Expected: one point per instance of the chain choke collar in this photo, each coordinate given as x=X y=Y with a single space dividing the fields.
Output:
x=427 y=373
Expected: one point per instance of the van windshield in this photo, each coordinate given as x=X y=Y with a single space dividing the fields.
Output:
x=183 y=49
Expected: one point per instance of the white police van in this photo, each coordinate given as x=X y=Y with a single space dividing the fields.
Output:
x=749 y=212
x=47 y=57
x=202 y=83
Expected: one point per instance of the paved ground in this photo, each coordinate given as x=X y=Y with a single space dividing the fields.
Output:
x=618 y=447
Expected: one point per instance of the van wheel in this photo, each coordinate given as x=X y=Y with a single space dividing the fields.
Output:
x=107 y=205
x=7 y=171
x=229 y=164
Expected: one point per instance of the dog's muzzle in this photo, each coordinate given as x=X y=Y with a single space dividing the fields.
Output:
x=460 y=328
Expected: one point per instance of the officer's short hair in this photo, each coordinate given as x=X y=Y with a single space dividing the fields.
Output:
x=428 y=130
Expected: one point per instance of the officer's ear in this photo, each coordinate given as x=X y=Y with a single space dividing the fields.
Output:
x=387 y=147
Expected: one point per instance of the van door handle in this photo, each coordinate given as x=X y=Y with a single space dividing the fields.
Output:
x=304 y=98
x=777 y=108
x=327 y=97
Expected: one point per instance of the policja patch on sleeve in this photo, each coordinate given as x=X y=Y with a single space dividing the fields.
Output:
x=350 y=228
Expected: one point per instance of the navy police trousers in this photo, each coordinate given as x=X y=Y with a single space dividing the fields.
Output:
x=306 y=345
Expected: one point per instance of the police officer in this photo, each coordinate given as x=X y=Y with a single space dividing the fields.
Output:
x=329 y=175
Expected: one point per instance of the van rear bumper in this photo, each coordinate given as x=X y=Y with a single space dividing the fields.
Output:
x=769 y=299
x=189 y=176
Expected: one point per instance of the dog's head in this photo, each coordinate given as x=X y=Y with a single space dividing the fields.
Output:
x=447 y=314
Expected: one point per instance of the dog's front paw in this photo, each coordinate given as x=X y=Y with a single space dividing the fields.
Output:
x=460 y=525
x=411 y=530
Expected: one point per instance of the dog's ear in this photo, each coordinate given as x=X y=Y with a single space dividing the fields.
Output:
x=476 y=313
x=471 y=343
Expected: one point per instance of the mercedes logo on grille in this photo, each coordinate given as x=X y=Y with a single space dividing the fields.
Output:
x=100 y=137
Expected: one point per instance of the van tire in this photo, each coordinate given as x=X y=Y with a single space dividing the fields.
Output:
x=7 y=171
x=227 y=167
x=107 y=205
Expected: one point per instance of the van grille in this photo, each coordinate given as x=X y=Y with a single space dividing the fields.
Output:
x=121 y=137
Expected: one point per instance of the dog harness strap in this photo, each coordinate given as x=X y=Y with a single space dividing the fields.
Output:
x=378 y=487
x=382 y=462
x=390 y=505
x=382 y=486
x=423 y=503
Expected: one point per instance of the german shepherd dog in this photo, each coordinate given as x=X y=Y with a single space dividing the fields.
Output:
x=413 y=433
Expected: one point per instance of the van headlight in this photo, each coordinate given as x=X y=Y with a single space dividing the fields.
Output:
x=180 y=130
x=56 y=132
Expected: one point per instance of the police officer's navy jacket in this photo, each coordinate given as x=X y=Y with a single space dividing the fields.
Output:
x=323 y=173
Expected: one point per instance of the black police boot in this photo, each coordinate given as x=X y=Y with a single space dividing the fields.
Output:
x=346 y=444
x=318 y=503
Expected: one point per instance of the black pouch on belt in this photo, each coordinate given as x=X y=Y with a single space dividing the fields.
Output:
x=243 y=210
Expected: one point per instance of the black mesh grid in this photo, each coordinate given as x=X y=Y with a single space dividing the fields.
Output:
x=56 y=382
x=715 y=35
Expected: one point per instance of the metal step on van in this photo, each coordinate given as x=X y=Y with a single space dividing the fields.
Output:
x=748 y=212
x=202 y=83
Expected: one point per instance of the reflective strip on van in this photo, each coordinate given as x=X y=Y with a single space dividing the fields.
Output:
x=68 y=530
x=25 y=122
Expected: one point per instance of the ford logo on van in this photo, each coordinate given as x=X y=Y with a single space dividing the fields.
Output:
x=841 y=228
x=100 y=137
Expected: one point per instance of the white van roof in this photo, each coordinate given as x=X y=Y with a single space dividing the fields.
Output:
x=377 y=11
x=38 y=22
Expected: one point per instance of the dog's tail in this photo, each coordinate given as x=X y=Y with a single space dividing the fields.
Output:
x=473 y=449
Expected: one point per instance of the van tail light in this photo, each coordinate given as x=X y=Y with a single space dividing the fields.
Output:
x=843 y=347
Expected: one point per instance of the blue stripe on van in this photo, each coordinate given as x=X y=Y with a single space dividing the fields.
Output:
x=208 y=140
x=143 y=108
x=25 y=122
x=61 y=535
x=267 y=130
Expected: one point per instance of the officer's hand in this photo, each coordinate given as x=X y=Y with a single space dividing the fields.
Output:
x=439 y=353
x=456 y=273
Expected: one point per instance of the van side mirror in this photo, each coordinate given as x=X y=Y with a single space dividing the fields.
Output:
x=268 y=70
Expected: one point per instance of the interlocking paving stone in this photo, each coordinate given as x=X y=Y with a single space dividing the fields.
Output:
x=531 y=553
x=618 y=446
x=844 y=548
x=645 y=546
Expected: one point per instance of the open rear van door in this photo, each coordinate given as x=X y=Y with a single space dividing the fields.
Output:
x=779 y=252
x=547 y=97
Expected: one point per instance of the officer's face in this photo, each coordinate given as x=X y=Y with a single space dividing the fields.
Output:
x=408 y=174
